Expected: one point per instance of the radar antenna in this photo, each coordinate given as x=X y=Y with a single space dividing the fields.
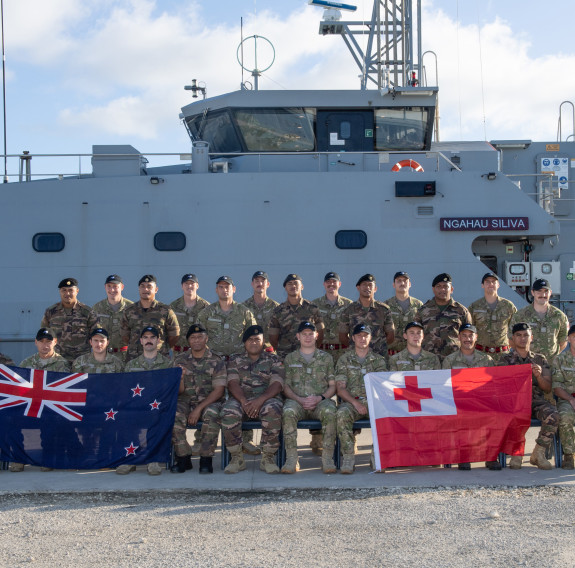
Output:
x=256 y=71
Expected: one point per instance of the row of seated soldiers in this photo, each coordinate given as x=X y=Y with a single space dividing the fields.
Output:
x=333 y=317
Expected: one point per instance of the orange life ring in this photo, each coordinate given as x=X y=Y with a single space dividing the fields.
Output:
x=415 y=166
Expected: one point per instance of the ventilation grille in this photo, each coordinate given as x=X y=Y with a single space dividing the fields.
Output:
x=425 y=211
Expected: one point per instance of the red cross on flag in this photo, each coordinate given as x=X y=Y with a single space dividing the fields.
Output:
x=449 y=416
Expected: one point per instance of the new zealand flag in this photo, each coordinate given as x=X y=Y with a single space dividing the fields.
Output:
x=82 y=421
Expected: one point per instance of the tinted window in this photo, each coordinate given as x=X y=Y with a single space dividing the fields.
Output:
x=172 y=241
x=48 y=242
x=350 y=239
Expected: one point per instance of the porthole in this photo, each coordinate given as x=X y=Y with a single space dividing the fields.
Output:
x=350 y=239
x=48 y=242
x=169 y=241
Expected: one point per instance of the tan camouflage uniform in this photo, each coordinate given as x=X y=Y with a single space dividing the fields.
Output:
x=254 y=378
x=286 y=319
x=349 y=372
x=492 y=324
x=263 y=315
x=400 y=320
x=135 y=319
x=309 y=379
x=457 y=360
x=56 y=363
x=225 y=329
x=331 y=316
x=540 y=407
x=140 y=363
x=201 y=376
x=71 y=327
x=5 y=360
x=563 y=375
x=186 y=318
x=110 y=320
x=441 y=326
x=405 y=361
x=88 y=364
x=377 y=316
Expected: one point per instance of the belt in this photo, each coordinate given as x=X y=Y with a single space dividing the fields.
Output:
x=117 y=349
x=499 y=349
x=330 y=346
x=178 y=348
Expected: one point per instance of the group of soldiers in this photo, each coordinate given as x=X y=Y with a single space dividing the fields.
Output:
x=282 y=363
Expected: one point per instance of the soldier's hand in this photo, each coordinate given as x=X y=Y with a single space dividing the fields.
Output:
x=536 y=370
x=194 y=416
x=310 y=402
x=361 y=408
x=252 y=408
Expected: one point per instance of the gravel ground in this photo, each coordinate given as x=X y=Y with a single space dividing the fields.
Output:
x=376 y=527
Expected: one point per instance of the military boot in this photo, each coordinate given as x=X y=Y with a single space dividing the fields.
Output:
x=348 y=464
x=292 y=464
x=538 y=458
x=568 y=461
x=316 y=443
x=327 y=465
x=247 y=446
x=237 y=463
x=515 y=462
x=268 y=463
x=182 y=464
x=15 y=467
x=206 y=464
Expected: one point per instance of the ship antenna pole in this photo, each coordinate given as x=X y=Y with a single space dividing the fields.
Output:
x=4 y=91
x=242 y=44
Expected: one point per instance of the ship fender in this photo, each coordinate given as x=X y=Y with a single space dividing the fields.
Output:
x=415 y=166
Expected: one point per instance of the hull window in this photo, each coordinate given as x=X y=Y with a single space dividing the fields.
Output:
x=350 y=239
x=48 y=242
x=172 y=241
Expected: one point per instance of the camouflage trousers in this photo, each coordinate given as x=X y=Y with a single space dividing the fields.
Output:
x=547 y=413
x=346 y=416
x=325 y=412
x=566 y=422
x=270 y=416
x=209 y=433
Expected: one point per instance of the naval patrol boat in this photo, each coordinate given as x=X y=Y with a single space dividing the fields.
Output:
x=303 y=181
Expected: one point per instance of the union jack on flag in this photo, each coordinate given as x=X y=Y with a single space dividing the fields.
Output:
x=36 y=393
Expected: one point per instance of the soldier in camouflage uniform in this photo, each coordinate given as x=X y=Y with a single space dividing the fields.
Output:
x=309 y=386
x=541 y=383
x=548 y=324
x=98 y=360
x=5 y=360
x=403 y=310
x=376 y=315
x=467 y=357
x=413 y=357
x=225 y=320
x=71 y=321
x=187 y=309
x=355 y=363
x=288 y=315
x=259 y=304
x=109 y=312
x=491 y=316
x=204 y=381
x=442 y=317
x=255 y=383
x=563 y=376
x=147 y=311
x=45 y=359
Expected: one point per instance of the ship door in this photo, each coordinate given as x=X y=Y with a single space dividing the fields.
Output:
x=344 y=131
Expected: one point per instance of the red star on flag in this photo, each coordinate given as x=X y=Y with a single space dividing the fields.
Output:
x=111 y=414
x=137 y=390
x=155 y=405
x=131 y=449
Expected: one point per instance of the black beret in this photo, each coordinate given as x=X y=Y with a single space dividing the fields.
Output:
x=251 y=331
x=147 y=278
x=521 y=326
x=443 y=277
x=68 y=283
x=290 y=278
x=366 y=278
x=195 y=329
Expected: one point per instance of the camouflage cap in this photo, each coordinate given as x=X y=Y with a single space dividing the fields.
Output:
x=290 y=278
x=400 y=274
x=413 y=324
x=190 y=278
x=366 y=278
x=147 y=278
x=467 y=327
x=521 y=326
x=150 y=329
x=331 y=276
x=113 y=279
x=489 y=275
x=225 y=279
x=260 y=274
x=100 y=331
x=45 y=333
x=541 y=284
x=443 y=277
x=195 y=329
x=361 y=328
x=68 y=283
x=251 y=331
x=305 y=325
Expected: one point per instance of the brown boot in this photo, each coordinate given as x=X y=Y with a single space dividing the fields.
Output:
x=348 y=465
x=327 y=464
x=247 y=444
x=268 y=463
x=515 y=462
x=292 y=464
x=568 y=461
x=237 y=463
x=538 y=458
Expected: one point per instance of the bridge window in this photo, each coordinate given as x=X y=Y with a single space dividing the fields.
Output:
x=48 y=242
x=350 y=239
x=217 y=129
x=404 y=128
x=169 y=241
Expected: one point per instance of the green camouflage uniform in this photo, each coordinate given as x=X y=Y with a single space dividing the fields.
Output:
x=405 y=361
x=377 y=316
x=548 y=333
x=140 y=363
x=349 y=372
x=225 y=329
x=492 y=325
x=308 y=379
x=457 y=360
x=331 y=316
x=88 y=364
x=286 y=319
x=110 y=320
x=540 y=408
x=441 y=326
x=71 y=327
x=186 y=318
x=201 y=376
x=56 y=363
x=254 y=378
x=563 y=374
x=400 y=320
x=135 y=318
x=5 y=360
x=263 y=315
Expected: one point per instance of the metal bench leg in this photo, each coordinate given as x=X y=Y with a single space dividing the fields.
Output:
x=503 y=459
x=225 y=453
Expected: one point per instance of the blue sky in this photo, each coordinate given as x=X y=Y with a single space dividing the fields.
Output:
x=83 y=72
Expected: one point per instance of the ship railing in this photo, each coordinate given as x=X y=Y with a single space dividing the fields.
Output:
x=20 y=167
x=547 y=187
